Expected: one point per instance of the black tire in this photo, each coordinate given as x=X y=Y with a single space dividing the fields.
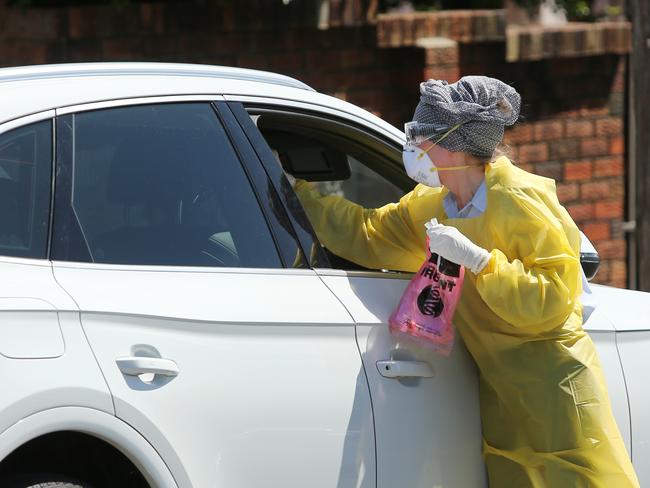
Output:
x=42 y=481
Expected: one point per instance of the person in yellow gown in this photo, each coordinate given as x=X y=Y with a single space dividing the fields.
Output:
x=546 y=416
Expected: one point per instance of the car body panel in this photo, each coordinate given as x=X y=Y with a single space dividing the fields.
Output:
x=270 y=388
x=424 y=426
x=45 y=361
x=634 y=350
x=73 y=379
x=627 y=310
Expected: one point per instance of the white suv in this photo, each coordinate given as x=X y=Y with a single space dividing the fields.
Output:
x=168 y=317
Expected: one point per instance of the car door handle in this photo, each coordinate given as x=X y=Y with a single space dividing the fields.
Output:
x=137 y=365
x=405 y=369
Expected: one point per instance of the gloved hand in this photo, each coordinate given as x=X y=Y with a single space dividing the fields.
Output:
x=449 y=243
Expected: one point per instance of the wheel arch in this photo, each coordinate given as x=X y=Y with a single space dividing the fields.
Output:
x=99 y=425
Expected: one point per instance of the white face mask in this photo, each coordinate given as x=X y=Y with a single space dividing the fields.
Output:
x=420 y=168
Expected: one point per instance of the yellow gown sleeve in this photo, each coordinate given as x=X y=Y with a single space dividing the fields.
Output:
x=537 y=287
x=381 y=238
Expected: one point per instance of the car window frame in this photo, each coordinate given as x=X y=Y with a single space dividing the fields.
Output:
x=390 y=144
x=18 y=123
x=63 y=168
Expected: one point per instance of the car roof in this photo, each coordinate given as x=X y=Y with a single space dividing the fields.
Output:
x=31 y=89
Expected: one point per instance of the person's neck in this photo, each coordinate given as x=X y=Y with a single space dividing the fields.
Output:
x=464 y=186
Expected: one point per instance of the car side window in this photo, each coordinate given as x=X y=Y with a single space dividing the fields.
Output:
x=364 y=186
x=162 y=185
x=336 y=157
x=25 y=190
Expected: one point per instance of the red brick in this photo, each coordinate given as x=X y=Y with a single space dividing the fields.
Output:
x=581 y=211
x=609 y=166
x=450 y=74
x=595 y=108
x=567 y=192
x=526 y=167
x=618 y=84
x=519 y=134
x=552 y=129
x=441 y=56
x=564 y=149
x=287 y=61
x=120 y=49
x=82 y=22
x=610 y=126
x=609 y=210
x=41 y=24
x=596 y=190
x=355 y=58
x=552 y=169
x=610 y=249
x=596 y=232
x=578 y=170
x=579 y=128
x=617 y=145
x=593 y=147
x=533 y=153
x=618 y=274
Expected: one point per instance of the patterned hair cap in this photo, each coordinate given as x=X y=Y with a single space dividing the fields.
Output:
x=480 y=106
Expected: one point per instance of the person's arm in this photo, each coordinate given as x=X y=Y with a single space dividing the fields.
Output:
x=382 y=238
x=536 y=290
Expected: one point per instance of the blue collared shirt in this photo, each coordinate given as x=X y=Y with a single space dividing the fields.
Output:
x=475 y=207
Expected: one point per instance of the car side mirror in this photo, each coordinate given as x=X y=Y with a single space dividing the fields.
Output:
x=589 y=258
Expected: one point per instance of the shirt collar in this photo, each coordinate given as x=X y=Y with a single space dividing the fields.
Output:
x=474 y=207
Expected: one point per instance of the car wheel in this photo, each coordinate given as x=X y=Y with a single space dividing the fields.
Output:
x=47 y=481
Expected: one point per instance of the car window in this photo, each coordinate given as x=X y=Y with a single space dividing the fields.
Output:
x=162 y=185
x=339 y=159
x=364 y=186
x=25 y=183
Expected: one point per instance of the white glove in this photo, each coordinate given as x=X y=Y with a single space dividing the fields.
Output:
x=449 y=243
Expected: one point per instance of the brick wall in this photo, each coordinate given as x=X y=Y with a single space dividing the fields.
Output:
x=572 y=130
x=572 y=126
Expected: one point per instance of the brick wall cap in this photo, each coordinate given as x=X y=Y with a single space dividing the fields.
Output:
x=574 y=39
x=436 y=43
x=442 y=14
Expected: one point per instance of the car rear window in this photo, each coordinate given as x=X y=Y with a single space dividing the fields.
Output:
x=25 y=190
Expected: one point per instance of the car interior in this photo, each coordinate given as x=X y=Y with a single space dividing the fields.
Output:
x=337 y=158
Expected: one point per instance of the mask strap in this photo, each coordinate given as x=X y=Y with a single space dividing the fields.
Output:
x=446 y=134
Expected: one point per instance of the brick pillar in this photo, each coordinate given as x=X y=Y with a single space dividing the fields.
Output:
x=440 y=58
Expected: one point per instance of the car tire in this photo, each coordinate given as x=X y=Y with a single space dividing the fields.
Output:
x=42 y=482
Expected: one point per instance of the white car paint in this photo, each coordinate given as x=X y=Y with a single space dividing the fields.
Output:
x=58 y=86
x=425 y=426
x=252 y=403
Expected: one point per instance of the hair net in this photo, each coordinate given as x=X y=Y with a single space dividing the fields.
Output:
x=479 y=105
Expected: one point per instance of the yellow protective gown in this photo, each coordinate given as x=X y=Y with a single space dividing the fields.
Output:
x=546 y=415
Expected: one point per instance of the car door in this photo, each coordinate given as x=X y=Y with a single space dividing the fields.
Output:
x=426 y=408
x=219 y=345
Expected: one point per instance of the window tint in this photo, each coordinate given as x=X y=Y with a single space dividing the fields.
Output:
x=162 y=185
x=25 y=185
x=337 y=158
x=364 y=186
